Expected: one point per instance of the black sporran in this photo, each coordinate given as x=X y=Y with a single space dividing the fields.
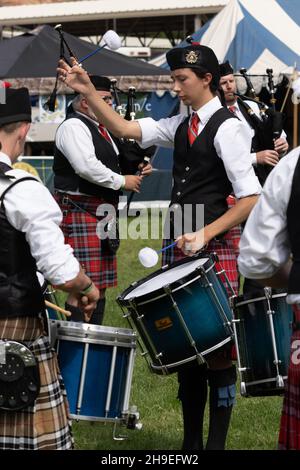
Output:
x=19 y=376
x=112 y=239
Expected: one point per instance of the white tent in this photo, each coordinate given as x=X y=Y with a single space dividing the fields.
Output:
x=255 y=34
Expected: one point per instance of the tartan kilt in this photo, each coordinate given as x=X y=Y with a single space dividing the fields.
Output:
x=236 y=232
x=45 y=425
x=79 y=226
x=289 y=434
x=226 y=251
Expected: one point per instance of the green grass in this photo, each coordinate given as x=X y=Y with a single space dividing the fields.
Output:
x=255 y=421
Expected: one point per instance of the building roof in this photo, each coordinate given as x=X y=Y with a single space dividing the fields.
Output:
x=104 y=9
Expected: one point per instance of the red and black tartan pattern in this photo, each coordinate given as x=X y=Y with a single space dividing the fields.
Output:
x=226 y=252
x=289 y=434
x=236 y=232
x=79 y=226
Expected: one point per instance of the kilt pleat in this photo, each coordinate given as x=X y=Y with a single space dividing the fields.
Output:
x=45 y=425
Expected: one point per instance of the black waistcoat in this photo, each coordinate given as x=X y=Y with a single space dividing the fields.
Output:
x=198 y=172
x=65 y=178
x=20 y=291
x=293 y=226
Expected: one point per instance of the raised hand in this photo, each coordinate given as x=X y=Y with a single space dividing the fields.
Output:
x=75 y=77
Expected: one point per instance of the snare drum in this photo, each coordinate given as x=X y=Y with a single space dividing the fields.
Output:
x=96 y=364
x=181 y=312
x=262 y=328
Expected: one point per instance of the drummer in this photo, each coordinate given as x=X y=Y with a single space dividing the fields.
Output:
x=31 y=239
x=274 y=226
x=211 y=160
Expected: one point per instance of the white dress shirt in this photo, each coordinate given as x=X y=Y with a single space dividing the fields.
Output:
x=254 y=106
x=30 y=208
x=232 y=143
x=74 y=139
x=264 y=246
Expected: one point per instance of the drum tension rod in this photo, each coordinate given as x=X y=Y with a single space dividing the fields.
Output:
x=200 y=358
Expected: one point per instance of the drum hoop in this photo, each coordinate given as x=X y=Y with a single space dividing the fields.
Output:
x=77 y=339
x=191 y=358
x=258 y=299
x=171 y=291
x=121 y=420
x=63 y=328
x=257 y=382
x=164 y=268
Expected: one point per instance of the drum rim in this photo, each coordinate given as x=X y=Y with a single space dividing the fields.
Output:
x=124 y=302
x=264 y=381
x=238 y=303
x=91 y=331
x=172 y=365
x=103 y=342
x=182 y=286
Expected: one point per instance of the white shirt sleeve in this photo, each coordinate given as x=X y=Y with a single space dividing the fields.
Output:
x=264 y=245
x=74 y=140
x=161 y=132
x=232 y=143
x=31 y=209
x=253 y=158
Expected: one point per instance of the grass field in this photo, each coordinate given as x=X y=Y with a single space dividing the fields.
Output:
x=255 y=421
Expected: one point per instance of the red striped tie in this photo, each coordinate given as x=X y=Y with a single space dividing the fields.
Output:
x=193 y=128
x=104 y=133
x=232 y=109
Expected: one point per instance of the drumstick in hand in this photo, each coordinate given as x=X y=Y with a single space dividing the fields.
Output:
x=59 y=309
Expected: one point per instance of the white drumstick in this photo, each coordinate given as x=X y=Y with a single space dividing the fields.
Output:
x=149 y=257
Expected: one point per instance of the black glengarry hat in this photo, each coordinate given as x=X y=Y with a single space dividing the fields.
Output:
x=195 y=56
x=226 y=69
x=100 y=83
x=17 y=107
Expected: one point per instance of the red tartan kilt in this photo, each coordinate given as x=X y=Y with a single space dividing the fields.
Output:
x=80 y=231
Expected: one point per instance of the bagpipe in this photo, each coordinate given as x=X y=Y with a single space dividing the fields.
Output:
x=111 y=40
x=268 y=126
x=131 y=154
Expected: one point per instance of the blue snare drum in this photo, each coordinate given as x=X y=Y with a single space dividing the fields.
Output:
x=263 y=328
x=181 y=312
x=96 y=364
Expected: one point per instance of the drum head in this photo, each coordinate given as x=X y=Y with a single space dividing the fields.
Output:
x=166 y=277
